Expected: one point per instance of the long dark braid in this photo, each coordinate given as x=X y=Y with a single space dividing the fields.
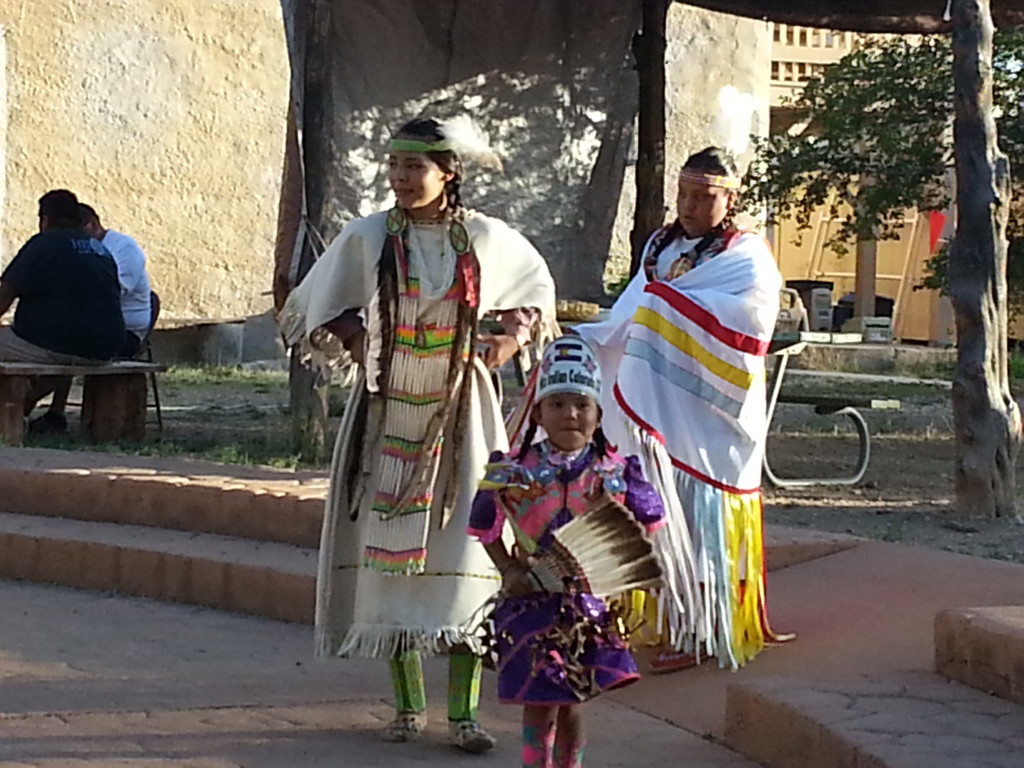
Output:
x=453 y=193
x=601 y=444
x=531 y=432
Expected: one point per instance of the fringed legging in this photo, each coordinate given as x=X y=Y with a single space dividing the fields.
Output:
x=463 y=685
x=553 y=737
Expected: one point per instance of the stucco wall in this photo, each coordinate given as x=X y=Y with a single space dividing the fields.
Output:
x=168 y=117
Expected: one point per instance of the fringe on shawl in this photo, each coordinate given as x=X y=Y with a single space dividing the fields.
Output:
x=377 y=641
x=731 y=569
x=732 y=575
x=681 y=613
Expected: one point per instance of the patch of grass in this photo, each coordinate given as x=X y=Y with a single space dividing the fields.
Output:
x=267 y=450
x=222 y=375
x=820 y=385
x=932 y=369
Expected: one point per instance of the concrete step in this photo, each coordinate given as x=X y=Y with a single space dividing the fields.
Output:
x=246 y=502
x=907 y=720
x=232 y=537
x=230 y=500
x=983 y=648
x=267 y=579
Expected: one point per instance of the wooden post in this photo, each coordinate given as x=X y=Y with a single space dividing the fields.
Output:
x=649 y=51
x=114 y=408
x=985 y=415
x=13 y=393
x=307 y=146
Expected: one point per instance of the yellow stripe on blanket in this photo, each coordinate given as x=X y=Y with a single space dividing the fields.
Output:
x=689 y=346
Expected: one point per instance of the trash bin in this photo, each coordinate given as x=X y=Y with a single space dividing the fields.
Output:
x=805 y=287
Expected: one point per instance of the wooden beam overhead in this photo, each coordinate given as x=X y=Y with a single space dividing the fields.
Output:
x=921 y=16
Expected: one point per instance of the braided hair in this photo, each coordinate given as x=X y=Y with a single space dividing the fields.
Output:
x=428 y=129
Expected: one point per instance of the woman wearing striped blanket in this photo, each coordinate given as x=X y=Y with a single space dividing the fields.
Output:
x=683 y=351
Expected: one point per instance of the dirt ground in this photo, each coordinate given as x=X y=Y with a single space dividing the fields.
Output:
x=906 y=495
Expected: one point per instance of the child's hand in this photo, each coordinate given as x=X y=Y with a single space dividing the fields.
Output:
x=516 y=581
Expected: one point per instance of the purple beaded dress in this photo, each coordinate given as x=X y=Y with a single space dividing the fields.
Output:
x=565 y=648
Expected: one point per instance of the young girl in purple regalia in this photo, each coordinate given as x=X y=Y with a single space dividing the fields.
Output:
x=542 y=665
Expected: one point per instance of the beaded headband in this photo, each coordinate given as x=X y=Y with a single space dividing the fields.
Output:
x=411 y=145
x=709 y=179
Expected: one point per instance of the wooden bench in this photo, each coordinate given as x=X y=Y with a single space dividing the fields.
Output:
x=113 y=398
x=837 y=405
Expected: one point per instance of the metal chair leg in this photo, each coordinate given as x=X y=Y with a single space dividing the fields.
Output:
x=862 y=460
x=156 y=404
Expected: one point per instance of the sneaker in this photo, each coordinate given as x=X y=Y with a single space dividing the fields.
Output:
x=468 y=736
x=407 y=726
x=48 y=424
x=667 y=662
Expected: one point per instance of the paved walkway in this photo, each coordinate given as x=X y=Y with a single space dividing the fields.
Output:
x=90 y=680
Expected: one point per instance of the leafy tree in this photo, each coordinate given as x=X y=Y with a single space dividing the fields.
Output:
x=879 y=140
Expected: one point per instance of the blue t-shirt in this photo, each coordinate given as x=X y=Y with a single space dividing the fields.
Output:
x=69 y=299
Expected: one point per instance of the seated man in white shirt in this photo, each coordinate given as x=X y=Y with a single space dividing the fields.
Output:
x=135 y=307
x=131 y=273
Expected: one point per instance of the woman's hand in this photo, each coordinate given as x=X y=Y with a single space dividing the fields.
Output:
x=500 y=349
x=356 y=346
x=516 y=581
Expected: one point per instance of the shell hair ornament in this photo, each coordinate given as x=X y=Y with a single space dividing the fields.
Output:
x=461 y=135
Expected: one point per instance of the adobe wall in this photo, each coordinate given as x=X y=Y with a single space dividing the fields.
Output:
x=168 y=117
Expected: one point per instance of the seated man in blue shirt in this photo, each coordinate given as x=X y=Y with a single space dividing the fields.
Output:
x=69 y=299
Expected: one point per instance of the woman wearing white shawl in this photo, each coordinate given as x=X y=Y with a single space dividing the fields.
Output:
x=683 y=353
x=404 y=291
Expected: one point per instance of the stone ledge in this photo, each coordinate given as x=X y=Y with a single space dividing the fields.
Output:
x=909 y=720
x=983 y=648
x=275 y=581
x=246 y=502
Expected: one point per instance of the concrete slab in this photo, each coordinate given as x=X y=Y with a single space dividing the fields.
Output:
x=92 y=680
x=983 y=648
x=866 y=611
x=903 y=720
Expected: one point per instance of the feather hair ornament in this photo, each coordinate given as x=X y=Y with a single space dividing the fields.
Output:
x=732 y=124
x=603 y=552
x=469 y=141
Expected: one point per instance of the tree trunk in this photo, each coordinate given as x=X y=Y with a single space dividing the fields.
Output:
x=649 y=50
x=986 y=418
x=307 y=22
x=865 y=280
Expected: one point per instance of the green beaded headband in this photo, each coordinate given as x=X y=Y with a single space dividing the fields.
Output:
x=411 y=145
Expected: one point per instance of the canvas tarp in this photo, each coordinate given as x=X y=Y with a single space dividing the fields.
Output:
x=551 y=82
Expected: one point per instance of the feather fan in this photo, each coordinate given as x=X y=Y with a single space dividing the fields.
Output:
x=603 y=552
